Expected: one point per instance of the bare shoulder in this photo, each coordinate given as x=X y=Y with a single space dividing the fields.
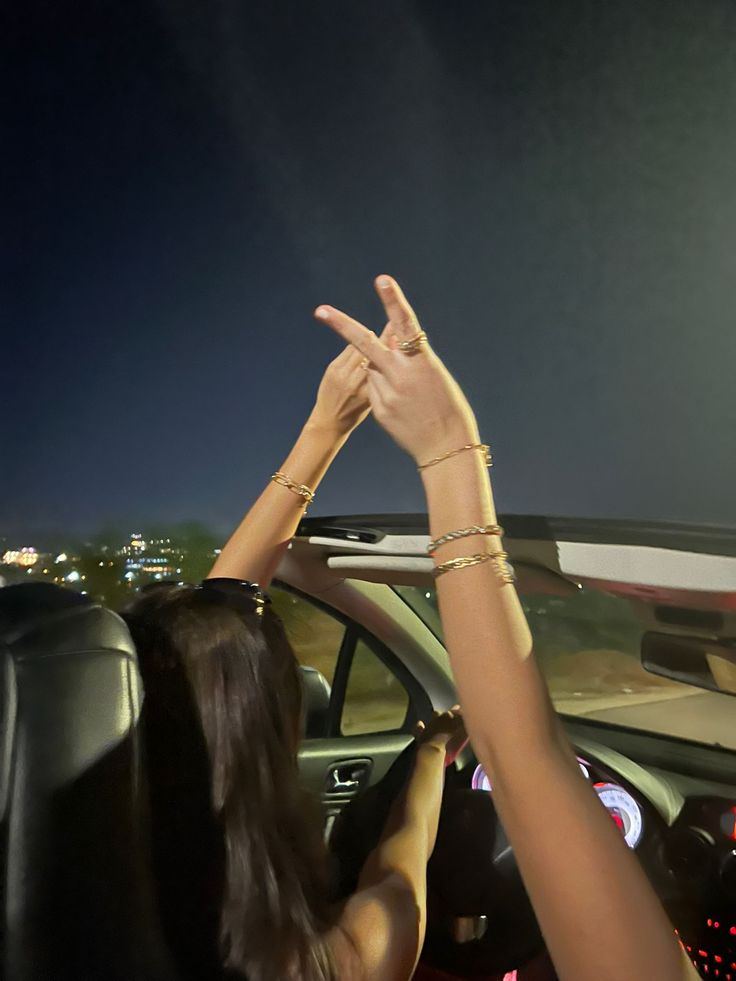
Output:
x=378 y=933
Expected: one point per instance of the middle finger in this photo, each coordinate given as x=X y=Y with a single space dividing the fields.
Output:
x=398 y=309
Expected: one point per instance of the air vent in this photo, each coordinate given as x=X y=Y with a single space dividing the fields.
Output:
x=678 y=616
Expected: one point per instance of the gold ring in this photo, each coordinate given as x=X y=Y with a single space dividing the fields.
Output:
x=414 y=343
x=365 y=364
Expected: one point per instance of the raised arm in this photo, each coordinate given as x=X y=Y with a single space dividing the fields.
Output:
x=589 y=892
x=254 y=549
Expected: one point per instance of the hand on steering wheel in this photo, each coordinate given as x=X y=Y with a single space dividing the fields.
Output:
x=446 y=730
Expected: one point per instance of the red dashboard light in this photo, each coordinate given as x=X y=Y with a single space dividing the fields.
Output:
x=732 y=931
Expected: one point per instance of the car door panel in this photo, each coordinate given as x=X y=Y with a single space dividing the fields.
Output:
x=358 y=762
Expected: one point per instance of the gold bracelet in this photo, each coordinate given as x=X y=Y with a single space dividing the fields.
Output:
x=499 y=559
x=486 y=450
x=453 y=536
x=301 y=490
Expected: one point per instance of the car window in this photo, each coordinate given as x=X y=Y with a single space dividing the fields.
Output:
x=315 y=635
x=588 y=645
x=375 y=699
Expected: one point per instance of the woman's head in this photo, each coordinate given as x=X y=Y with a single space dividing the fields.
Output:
x=232 y=827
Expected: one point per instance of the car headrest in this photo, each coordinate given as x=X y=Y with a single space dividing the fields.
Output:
x=76 y=889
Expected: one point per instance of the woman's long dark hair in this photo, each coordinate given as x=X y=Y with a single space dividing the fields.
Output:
x=239 y=858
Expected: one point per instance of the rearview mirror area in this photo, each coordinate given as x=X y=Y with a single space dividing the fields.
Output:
x=699 y=661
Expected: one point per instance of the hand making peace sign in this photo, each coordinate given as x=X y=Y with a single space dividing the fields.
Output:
x=412 y=394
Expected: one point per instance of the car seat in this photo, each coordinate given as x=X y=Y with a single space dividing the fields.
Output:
x=78 y=893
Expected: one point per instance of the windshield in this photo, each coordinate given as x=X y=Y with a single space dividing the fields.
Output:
x=588 y=646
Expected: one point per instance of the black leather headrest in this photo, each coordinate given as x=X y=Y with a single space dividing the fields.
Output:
x=76 y=889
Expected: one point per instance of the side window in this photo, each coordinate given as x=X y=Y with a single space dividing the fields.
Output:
x=315 y=635
x=375 y=699
x=366 y=695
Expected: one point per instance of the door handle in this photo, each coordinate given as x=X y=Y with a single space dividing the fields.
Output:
x=346 y=778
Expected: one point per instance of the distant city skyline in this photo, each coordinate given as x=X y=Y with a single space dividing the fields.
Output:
x=550 y=181
x=111 y=570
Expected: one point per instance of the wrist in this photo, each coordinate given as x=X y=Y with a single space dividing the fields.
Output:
x=464 y=434
x=327 y=431
x=433 y=750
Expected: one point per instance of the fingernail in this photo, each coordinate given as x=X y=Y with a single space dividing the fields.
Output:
x=322 y=312
x=383 y=282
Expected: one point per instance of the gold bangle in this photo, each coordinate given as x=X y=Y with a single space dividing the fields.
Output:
x=453 y=536
x=301 y=490
x=499 y=559
x=461 y=449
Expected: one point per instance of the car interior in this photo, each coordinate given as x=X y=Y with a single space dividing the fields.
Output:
x=79 y=896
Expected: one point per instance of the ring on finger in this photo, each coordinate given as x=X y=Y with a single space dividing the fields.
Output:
x=413 y=344
x=365 y=364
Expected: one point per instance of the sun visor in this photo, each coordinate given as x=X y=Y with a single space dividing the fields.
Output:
x=407 y=570
x=657 y=575
x=417 y=571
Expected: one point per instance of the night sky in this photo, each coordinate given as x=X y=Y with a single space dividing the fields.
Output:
x=552 y=181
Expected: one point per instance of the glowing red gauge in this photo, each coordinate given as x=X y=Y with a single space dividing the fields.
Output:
x=624 y=810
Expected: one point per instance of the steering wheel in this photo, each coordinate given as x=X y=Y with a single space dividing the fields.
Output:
x=473 y=883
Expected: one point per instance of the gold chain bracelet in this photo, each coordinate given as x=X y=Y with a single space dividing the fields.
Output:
x=301 y=490
x=484 y=447
x=453 y=536
x=499 y=559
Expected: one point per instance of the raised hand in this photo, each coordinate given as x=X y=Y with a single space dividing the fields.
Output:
x=342 y=398
x=412 y=394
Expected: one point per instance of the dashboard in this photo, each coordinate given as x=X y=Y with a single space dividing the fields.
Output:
x=684 y=834
x=620 y=804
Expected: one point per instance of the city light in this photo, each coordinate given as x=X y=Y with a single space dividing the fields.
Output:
x=22 y=557
x=90 y=566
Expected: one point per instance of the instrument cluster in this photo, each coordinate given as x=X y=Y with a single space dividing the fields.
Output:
x=621 y=806
x=691 y=863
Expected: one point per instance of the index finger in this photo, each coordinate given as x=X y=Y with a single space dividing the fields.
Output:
x=356 y=334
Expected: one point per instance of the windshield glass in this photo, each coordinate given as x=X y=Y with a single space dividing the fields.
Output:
x=588 y=646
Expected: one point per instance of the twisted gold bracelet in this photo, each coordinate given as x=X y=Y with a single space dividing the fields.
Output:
x=484 y=447
x=301 y=490
x=499 y=559
x=453 y=536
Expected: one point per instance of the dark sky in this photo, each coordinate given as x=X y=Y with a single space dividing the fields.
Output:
x=553 y=182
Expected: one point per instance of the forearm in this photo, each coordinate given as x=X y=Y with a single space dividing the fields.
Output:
x=583 y=895
x=411 y=828
x=254 y=549
x=485 y=629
